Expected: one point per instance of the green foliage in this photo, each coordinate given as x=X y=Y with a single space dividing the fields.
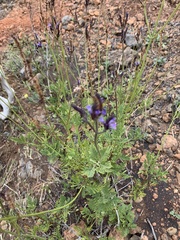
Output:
x=138 y=189
x=151 y=171
x=174 y=214
x=31 y=204
x=159 y=61
x=126 y=218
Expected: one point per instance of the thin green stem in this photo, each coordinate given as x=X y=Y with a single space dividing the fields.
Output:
x=54 y=210
x=96 y=137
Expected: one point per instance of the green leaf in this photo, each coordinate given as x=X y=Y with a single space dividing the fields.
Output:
x=89 y=172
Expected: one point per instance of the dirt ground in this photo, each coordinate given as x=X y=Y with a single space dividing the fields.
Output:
x=21 y=20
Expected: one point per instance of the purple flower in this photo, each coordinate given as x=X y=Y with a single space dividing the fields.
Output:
x=110 y=123
x=96 y=110
x=95 y=113
x=39 y=44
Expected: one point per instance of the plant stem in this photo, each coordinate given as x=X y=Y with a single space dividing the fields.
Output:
x=95 y=137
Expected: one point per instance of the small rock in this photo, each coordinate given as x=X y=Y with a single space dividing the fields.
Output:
x=115 y=234
x=158 y=147
x=135 y=230
x=131 y=20
x=138 y=200
x=158 y=93
x=81 y=22
x=152 y=147
x=147 y=125
x=115 y=57
x=150 y=139
x=164 y=236
x=3 y=225
x=135 y=237
x=97 y=2
x=166 y=117
x=169 y=152
x=172 y=231
x=176 y=190
x=139 y=210
x=174 y=237
x=169 y=142
x=140 y=17
x=70 y=27
x=169 y=108
x=177 y=156
x=143 y=158
x=155 y=195
x=94 y=13
x=144 y=237
x=66 y=19
x=130 y=40
x=153 y=112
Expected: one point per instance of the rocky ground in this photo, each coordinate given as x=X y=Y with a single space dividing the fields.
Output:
x=32 y=172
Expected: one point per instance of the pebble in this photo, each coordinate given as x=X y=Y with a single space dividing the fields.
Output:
x=147 y=125
x=155 y=195
x=81 y=22
x=138 y=210
x=135 y=237
x=164 y=236
x=176 y=190
x=153 y=112
x=150 y=139
x=130 y=40
x=115 y=57
x=143 y=158
x=135 y=230
x=177 y=156
x=70 y=27
x=169 y=142
x=174 y=237
x=132 y=20
x=66 y=19
x=166 y=117
x=138 y=200
x=158 y=93
x=3 y=225
x=172 y=231
x=152 y=147
x=169 y=108
x=144 y=237
x=140 y=17
x=158 y=147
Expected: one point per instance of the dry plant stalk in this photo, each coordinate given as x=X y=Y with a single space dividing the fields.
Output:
x=34 y=80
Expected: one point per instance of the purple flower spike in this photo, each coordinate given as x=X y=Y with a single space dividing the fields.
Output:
x=110 y=123
x=103 y=112
x=39 y=44
x=101 y=119
x=89 y=108
x=96 y=110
